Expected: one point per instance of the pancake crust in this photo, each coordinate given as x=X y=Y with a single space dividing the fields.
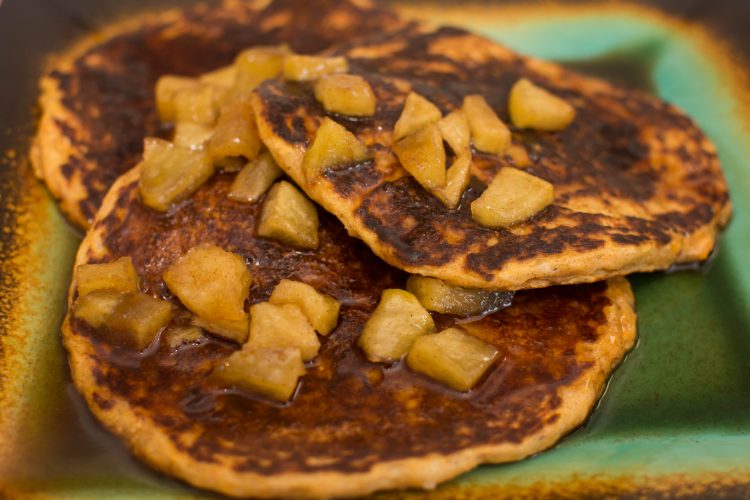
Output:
x=354 y=427
x=638 y=187
x=98 y=98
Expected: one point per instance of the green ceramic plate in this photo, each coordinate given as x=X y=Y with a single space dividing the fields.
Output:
x=676 y=416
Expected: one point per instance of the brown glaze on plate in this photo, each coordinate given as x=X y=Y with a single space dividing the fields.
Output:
x=354 y=427
x=638 y=186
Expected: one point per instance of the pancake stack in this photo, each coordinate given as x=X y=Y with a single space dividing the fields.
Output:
x=354 y=252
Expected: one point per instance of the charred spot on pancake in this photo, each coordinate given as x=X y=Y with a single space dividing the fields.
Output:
x=411 y=222
x=347 y=181
x=102 y=402
x=288 y=113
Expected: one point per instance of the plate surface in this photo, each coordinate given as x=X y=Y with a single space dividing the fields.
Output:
x=676 y=416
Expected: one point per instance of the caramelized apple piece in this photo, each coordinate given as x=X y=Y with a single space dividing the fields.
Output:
x=456 y=181
x=222 y=77
x=213 y=284
x=171 y=173
x=278 y=326
x=454 y=128
x=333 y=146
x=199 y=104
x=273 y=373
x=437 y=295
x=518 y=155
x=398 y=320
x=452 y=357
x=96 y=307
x=232 y=329
x=254 y=179
x=191 y=135
x=307 y=68
x=289 y=217
x=183 y=335
x=422 y=154
x=256 y=65
x=512 y=196
x=137 y=319
x=167 y=88
x=236 y=135
x=488 y=132
x=345 y=94
x=322 y=310
x=119 y=276
x=533 y=107
x=417 y=114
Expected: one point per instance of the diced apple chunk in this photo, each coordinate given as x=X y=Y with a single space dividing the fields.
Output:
x=289 y=217
x=255 y=179
x=199 y=104
x=488 y=132
x=322 y=310
x=436 y=295
x=273 y=373
x=333 y=146
x=119 y=276
x=256 y=65
x=222 y=77
x=213 y=284
x=417 y=114
x=236 y=135
x=519 y=155
x=137 y=319
x=422 y=154
x=456 y=182
x=513 y=196
x=231 y=329
x=183 y=335
x=167 y=88
x=398 y=320
x=191 y=135
x=278 y=326
x=452 y=357
x=345 y=94
x=96 y=307
x=307 y=68
x=454 y=128
x=171 y=173
x=534 y=107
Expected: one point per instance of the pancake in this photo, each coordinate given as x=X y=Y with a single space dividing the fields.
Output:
x=98 y=100
x=638 y=187
x=354 y=427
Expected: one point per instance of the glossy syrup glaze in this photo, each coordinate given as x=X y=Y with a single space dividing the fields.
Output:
x=348 y=414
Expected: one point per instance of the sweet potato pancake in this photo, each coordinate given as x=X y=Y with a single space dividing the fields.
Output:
x=637 y=186
x=353 y=426
x=98 y=98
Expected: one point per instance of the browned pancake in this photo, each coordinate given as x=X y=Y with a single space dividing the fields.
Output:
x=638 y=187
x=98 y=99
x=354 y=427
